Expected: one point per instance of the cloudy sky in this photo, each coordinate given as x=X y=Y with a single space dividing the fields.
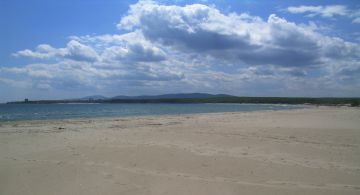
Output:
x=52 y=49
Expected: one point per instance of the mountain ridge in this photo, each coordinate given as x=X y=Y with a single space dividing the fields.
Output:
x=172 y=96
x=161 y=96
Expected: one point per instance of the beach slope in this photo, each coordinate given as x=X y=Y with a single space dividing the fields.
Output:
x=304 y=151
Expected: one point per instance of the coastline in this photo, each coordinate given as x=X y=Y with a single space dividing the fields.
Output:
x=309 y=150
x=119 y=110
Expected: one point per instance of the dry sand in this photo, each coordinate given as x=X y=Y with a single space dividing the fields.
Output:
x=306 y=151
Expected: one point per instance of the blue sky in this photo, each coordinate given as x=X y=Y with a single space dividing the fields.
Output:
x=62 y=49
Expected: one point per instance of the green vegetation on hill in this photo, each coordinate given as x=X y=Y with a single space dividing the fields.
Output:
x=255 y=100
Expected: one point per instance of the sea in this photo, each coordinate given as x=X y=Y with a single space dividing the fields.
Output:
x=12 y=112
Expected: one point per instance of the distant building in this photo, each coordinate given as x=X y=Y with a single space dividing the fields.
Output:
x=26 y=100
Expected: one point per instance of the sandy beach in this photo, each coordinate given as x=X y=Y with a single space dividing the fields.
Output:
x=304 y=151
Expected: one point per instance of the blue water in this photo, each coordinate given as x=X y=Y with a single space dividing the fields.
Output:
x=10 y=112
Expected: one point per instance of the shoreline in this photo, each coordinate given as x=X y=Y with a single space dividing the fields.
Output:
x=291 y=107
x=175 y=114
x=310 y=150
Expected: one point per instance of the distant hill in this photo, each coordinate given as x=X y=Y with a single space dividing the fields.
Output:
x=172 y=96
x=93 y=97
x=202 y=98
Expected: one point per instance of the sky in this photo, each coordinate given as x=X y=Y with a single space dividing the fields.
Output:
x=52 y=49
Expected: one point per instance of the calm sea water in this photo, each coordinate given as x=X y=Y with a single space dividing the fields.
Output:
x=66 y=111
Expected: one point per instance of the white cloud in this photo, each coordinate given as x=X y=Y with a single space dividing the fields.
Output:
x=355 y=14
x=15 y=83
x=42 y=51
x=356 y=20
x=73 y=50
x=328 y=11
x=134 y=52
x=126 y=48
x=324 y=11
x=197 y=47
x=80 y=52
x=77 y=74
x=242 y=39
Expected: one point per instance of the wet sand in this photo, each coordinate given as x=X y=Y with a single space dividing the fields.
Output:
x=305 y=151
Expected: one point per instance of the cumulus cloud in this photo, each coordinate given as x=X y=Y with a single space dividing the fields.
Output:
x=134 y=52
x=190 y=27
x=238 y=37
x=126 y=48
x=197 y=47
x=72 y=75
x=80 y=52
x=73 y=50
